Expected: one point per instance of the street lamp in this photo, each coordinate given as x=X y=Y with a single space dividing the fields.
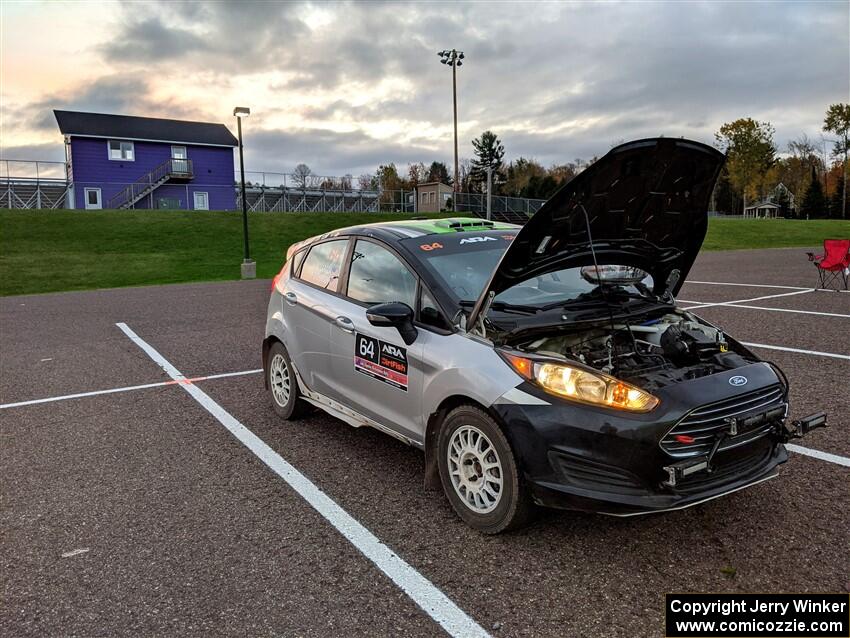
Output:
x=453 y=58
x=249 y=267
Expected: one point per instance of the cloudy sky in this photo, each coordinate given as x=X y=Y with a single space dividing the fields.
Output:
x=344 y=87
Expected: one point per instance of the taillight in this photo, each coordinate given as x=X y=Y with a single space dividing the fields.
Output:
x=277 y=278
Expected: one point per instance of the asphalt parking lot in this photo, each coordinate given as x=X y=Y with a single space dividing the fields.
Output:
x=140 y=512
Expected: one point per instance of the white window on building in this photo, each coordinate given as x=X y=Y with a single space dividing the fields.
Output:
x=202 y=200
x=92 y=198
x=433 y=197
x=120 y=150
x=178 y=152
x=423 y=197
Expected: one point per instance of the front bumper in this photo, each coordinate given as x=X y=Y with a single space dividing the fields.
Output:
x=601 y=460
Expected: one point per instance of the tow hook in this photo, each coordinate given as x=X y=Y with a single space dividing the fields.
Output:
x=801 y=427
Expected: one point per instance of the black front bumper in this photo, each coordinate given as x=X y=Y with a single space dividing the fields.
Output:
x=601 y=460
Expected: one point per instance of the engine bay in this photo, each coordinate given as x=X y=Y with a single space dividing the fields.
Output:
x=650 y=353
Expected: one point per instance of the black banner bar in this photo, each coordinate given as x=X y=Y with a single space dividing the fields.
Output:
x=758 y=615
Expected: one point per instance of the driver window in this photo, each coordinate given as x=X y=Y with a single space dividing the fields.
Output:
x=378 y=276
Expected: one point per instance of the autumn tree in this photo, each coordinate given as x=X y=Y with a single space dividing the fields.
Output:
x=751 y=152
x=489 y=153
x=301 y=173
x=837 y=121
x=520 y=173
x=367 y=182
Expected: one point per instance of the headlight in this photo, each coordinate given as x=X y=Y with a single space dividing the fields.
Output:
x=582 y=385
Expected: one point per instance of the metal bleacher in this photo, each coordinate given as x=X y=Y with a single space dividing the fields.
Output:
x=32 y=193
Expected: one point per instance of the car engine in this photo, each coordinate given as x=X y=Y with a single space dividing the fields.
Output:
x=650 y=354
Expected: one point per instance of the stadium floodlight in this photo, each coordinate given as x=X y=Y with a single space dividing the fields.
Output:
x=249 y=268
x=453 y=59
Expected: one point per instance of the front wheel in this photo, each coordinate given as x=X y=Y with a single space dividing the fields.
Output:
x=479 y=473
x=286 y=398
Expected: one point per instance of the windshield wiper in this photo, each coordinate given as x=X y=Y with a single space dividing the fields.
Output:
x=504 y=306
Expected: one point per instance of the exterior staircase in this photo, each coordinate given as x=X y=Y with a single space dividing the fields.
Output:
x=170 y=169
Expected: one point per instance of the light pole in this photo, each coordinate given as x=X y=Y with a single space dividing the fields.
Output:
x=249 y=267
x=454 y=59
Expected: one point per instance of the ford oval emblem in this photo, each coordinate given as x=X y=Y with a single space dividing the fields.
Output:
x=738 y=381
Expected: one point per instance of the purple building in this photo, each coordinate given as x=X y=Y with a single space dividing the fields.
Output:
x=122 y=161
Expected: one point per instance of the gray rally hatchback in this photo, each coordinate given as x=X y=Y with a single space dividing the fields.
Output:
x=539 y=365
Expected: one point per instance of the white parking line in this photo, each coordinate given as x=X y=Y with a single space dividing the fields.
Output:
x=729 y=283
x=816 y=353
x=823 y=456
x=424 y=593
x=94 y=393
x=735 y=304
x=726 y=283
x=736 y=301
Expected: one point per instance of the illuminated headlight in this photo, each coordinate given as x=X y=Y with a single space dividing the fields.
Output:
x=583 y=385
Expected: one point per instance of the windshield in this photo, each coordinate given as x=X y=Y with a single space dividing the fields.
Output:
x=464 y=262
x=566 y=286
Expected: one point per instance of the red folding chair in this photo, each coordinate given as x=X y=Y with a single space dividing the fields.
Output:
x=834 y=265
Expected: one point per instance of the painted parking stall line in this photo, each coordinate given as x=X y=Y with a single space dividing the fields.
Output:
x=732 y=303
x=424 y=593
x=817 y=454
x=815 y=353
x=738 y=304
x=128 y=388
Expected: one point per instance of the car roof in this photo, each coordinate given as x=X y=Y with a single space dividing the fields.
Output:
x=404 y=228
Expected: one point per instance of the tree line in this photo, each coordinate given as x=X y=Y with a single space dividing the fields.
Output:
x=815 y=181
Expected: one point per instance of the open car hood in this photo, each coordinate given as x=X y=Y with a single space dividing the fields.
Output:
x=647 y=206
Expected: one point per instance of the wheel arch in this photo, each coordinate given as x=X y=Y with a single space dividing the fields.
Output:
x=268 y=342
x=432 y=431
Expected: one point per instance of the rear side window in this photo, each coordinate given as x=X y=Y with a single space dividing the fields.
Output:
x=378 y=276
x=324 y=263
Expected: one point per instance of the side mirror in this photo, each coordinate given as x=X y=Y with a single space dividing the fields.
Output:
x=394 y=314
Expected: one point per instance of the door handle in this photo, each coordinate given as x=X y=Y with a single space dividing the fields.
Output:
x=291 y=298
x=345 y=324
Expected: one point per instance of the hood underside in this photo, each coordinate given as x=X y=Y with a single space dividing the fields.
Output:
x=644 y=204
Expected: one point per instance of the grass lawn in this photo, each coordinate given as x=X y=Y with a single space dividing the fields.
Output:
x=734 y=234
x=48 y=251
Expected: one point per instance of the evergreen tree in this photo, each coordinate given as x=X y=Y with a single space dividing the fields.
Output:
x=488 y=152
x=438 y=172
x=814 y=202
x=835 y=209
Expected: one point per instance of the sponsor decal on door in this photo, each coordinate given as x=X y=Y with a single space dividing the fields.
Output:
x=380 y=360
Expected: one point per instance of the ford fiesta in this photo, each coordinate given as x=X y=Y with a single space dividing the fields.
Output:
x=539 y=365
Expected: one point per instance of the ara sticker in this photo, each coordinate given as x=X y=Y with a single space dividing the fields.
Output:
x=380 y=360
x=475 y=240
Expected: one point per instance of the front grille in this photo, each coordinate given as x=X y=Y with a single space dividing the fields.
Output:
x=704 y=423
x=729 y=466
x=591 y=474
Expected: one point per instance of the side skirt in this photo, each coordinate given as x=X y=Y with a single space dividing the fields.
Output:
x=344 y=413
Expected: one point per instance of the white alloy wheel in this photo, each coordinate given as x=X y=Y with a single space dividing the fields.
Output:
x=280 y=380
x=475 y=469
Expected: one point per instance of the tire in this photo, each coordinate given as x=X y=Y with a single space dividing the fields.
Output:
x=479 y=472
x=283 y=387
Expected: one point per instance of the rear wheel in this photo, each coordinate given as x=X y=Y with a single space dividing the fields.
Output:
x=479 y=473
x=283 y=387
